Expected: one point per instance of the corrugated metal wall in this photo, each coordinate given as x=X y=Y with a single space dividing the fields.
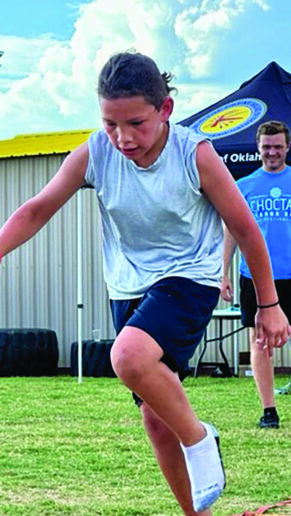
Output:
x=39 y=280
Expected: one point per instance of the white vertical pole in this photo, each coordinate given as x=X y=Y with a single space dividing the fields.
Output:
x=80 y=305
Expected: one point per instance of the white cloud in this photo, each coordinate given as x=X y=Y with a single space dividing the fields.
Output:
x=265 y=5
x=60 y=84
x=192 y=98
x=50 y=85
x=20 y=57
x=203 y=26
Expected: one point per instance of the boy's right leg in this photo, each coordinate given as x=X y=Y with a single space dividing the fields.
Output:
x=171 y=460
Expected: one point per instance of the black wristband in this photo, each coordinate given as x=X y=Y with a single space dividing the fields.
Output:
x=268 y=306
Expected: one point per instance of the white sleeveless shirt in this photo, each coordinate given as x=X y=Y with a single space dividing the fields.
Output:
x=156 y=223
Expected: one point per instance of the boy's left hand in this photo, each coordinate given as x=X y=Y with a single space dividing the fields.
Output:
x=272 y=329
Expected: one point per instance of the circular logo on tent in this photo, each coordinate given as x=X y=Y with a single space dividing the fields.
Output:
x=230 y=118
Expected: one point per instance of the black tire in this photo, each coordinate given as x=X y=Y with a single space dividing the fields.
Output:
x=74 y=359
x=28 y=352
x=95 y=358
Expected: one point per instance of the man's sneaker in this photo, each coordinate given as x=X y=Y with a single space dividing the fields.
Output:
x=269 y=420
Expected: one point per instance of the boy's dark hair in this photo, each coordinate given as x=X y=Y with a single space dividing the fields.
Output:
x=274 y=127
x=129 y=74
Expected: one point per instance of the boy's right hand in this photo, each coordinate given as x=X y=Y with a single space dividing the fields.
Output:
x=226 y=290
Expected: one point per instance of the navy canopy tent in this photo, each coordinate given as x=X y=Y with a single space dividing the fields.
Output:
x=232 y=122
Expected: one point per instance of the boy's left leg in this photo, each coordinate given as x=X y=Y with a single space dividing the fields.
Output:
x=136 y=359
x=159 y=337
x=171 y=460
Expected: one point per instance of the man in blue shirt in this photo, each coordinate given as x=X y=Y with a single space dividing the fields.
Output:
x=268 y=194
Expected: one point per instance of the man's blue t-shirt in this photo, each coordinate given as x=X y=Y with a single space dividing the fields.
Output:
x=268 y=195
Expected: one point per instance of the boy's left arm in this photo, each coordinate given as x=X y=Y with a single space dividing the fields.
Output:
x=219 y=187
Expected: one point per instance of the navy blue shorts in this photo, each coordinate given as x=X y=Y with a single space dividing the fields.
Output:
x=175 y=312
x=248 y=300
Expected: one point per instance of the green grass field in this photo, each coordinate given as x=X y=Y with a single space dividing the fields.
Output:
x=70 y=449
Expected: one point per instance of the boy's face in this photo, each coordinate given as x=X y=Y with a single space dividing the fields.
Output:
x=273 y=149
x=136 y=128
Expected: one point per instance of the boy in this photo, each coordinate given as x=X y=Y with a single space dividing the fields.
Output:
x=162 y=192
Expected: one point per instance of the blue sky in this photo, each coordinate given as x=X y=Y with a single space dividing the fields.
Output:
x=54 y=50
x=33 y=18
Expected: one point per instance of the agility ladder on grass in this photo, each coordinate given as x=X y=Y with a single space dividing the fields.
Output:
x=265 y=508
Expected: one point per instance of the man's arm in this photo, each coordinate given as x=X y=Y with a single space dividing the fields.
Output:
x=29 y=218
x=272 y=327
x=228 y=252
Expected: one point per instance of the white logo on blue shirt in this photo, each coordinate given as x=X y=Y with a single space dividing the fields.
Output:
x=276 y=192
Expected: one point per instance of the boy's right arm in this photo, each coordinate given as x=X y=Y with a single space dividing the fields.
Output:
x=29 y=218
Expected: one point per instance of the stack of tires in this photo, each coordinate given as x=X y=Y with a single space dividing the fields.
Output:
x=95 y=358
x=28 y=352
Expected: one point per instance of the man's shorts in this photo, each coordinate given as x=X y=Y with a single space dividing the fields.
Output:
x=175 y=312
x=248 y=301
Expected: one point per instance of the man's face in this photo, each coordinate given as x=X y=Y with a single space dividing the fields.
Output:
x=273 y=149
